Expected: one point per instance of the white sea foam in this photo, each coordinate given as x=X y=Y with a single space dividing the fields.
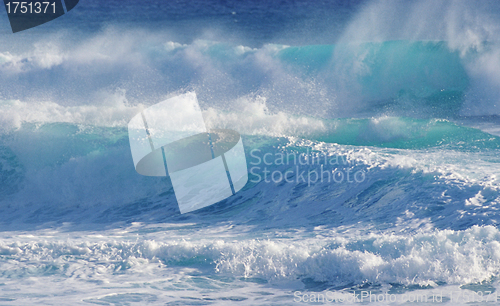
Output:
x=165 y=264
x=254 y=118
x=116 y=112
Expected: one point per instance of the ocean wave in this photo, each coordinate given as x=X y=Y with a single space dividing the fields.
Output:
x=336 y=259
x=61 y=172
x=419 y=78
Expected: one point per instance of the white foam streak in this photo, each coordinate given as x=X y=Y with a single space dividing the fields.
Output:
x=114 y=111
x=254 y=118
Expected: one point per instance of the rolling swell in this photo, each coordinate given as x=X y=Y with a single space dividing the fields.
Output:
x=425 y=79
x=418 y=168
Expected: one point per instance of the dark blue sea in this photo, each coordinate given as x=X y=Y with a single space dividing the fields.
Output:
x=371 y=132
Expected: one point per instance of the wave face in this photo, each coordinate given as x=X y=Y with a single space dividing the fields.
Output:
x=372 y=138
x=55 y=172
